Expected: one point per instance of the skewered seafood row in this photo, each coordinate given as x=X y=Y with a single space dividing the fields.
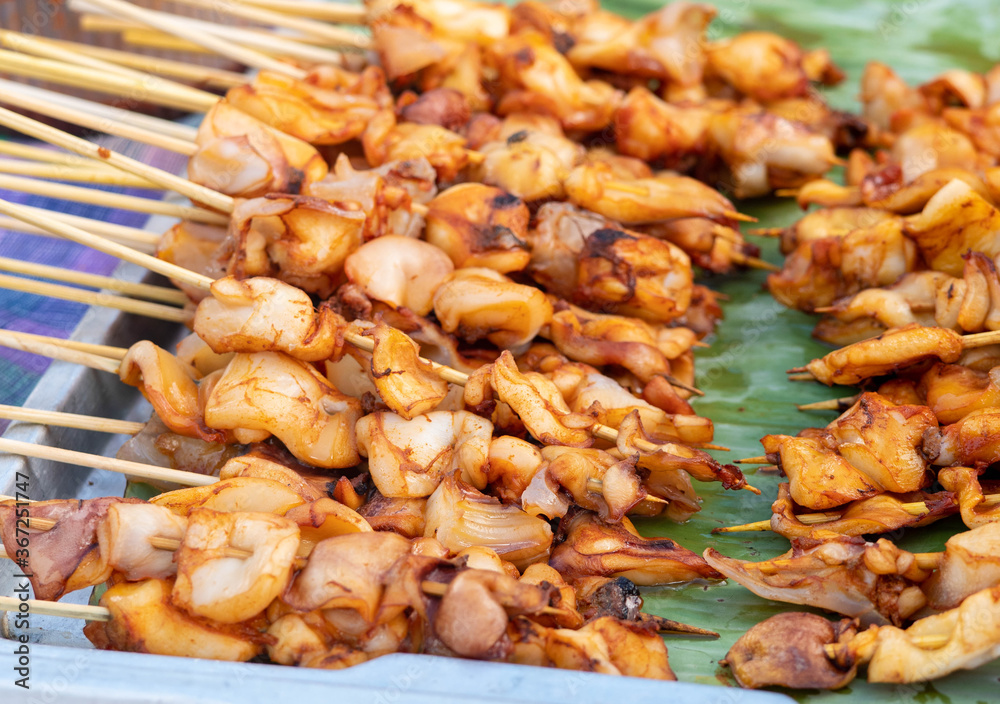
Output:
x=730 y=100
x=873 y=582
x=967 y=304
x=807 y=651
x=318 y=587
x=860 y=250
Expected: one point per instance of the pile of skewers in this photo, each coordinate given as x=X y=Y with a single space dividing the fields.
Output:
x=902 y=263
x=443 y=314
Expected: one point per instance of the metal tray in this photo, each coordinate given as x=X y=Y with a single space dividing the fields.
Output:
x=65 y=668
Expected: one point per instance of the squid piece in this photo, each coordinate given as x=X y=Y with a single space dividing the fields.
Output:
x=403 y=517
x=887 y=190
x=386 y=140
x=241 y=156
x=157 y=445
x=766 y=67
x=953 y=391
x=667 y=44
x=65 y=557
x=874 y=446
x=883 y=513
x=407 y=384
x=787 y=650
x=347 y=573
x=971 y=563
x=261 y=315
x=258 y=494
x=386 y=195
x=462 y=20
x=887 y=353
x=560 y=234
x=973 y=441
x=884 y=94
x=446 y=107
x=264 y=462
x=665 y=196
x=763 y=151
x=539 y=404
x=399 y=271
x=408 y=458
x=820 y=271
x=314 y=114
x=931 y=145
x=459 y=517
x=954 y=221
x=964 y=482
x=195 y=352
x=972 y=637
x=911 y=300
x=480 y=226
x=479 y=303
x=594 y=548
x=633 y=274
x=653 y=130
x=124 y=539
x=607 y=401
x=271 y=393
x=835 y=222
x=513 y=464
x=144 y=620
x=474 y=610
x=535 y=77
x=873 y=582
x=302 y=240
x=981 y=125
x=196 y=247
x=630 y=343
x=575 y=469
x=170 y=388
x=819 y=478
x=529 y=159
x=713 y=247
x=669 y=459
x=227 y=589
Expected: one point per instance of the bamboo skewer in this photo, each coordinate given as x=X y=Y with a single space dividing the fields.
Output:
x=833 y=404
x=139 y=239
x=752 y=262
x=176 y=130
x=115 y=353
x=302 y=48
x=30 y=45
x=181 y=27
x=71 y=420
x=167 y=180
x=99 y=243
x=83 y=77
x=97 y=175
x=969 y=342
x=338 y=13
x=171 y=314
x=335 y=36
x=179 y=70
x=9 y=338
x=129 y=288
x=917 y=508
x=53 y=109
x=121 y=201
x=56 y=608
x=83 y=459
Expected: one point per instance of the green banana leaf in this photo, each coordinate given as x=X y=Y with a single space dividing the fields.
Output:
x=742 y=373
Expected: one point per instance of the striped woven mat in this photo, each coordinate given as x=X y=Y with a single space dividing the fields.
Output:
x=24 y=312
